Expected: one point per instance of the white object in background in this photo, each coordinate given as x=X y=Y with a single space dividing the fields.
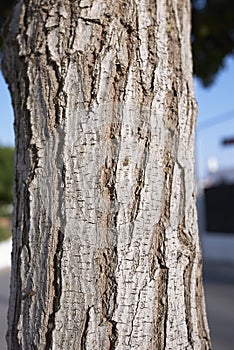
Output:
x=5 y=254
x=212 y=165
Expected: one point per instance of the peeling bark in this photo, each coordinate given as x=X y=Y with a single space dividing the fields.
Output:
x=106 y=253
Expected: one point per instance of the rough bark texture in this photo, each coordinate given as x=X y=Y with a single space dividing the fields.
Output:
x=106 y=253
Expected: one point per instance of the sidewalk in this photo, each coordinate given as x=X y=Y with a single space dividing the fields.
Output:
x=4 y=293
x=5 y=263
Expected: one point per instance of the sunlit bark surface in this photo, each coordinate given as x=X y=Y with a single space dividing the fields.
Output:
x=106 y=253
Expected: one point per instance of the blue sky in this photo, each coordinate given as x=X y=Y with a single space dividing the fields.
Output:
x=6 y=115
x=214 y=102
x=215 y=121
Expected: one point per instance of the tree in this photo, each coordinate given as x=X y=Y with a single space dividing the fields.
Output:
x=106 y=253
x=213 y=37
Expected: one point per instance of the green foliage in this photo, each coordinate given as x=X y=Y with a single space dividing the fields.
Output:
x=6 y=175
x=5 y=6
x=5 y=9
x=5 y=233
x=213 y=36
x=6 y=190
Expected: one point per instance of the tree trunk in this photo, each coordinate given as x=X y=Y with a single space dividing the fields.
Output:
x=106 y=253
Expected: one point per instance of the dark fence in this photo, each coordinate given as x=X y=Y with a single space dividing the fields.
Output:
x=219 y=206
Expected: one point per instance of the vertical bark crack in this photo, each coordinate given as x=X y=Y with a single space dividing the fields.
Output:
x=110 y=293
x=161 y=313
x=158 y=262
x=187 y=298
x=114 y=335
x=85 y=330
x=134 y=315
x=141 y=172
x=57 y=284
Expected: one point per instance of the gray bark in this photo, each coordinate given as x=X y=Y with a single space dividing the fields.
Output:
x=106 y=253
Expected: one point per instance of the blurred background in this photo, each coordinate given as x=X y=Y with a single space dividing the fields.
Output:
x=213 y=44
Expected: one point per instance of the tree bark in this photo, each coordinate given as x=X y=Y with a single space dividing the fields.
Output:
x=106 y=253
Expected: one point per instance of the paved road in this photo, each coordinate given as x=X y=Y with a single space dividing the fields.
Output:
x=219 y=289
x=4 y=292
